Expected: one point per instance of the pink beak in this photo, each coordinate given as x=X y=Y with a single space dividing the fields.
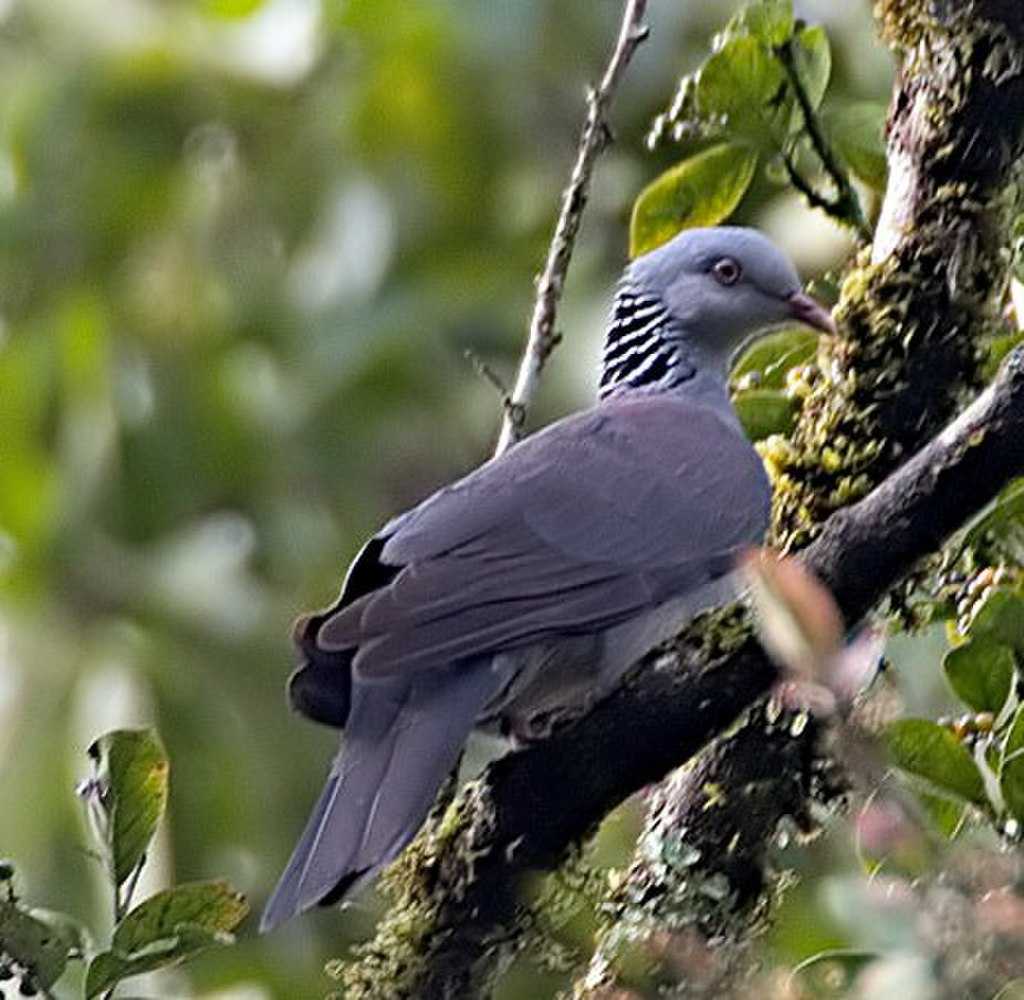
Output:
x=811 y=312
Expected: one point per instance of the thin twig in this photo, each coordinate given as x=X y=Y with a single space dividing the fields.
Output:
x=846 y=205
x=594 y=139
x=511 y=410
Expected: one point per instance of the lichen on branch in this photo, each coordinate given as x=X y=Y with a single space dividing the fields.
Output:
x=916 y=314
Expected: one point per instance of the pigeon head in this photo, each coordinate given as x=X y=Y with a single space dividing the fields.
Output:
x=694 y=301
x=721 y=285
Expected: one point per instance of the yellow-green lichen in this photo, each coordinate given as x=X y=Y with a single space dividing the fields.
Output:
x=438 y=867
x=903 y=23
x=893 y=377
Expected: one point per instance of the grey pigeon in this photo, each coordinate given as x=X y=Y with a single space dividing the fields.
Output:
x=519 y=595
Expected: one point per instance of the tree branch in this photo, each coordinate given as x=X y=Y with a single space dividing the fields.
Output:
x=596 y=135
x=914 y=318
x=458 y=915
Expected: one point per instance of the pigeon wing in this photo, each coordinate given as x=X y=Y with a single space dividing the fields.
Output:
x=576 y=529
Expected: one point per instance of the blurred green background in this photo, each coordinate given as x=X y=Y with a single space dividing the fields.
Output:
x=244 y=246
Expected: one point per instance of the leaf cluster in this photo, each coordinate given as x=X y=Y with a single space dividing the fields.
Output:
x=973 y=765
x=125 y=799
x=757 y=97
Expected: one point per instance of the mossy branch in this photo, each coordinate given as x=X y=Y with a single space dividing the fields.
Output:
x=457 y=917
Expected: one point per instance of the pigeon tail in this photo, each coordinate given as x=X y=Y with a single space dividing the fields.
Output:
x=403 y=738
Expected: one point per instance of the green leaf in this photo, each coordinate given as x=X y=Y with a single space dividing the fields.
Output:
x=1000 y=619
x=212 y=905
x=38 y=941
x=771 y=21
x=855 y=130
x=740 y=86
x=131 y=780
x=946 y=815
x=998 y=348
x=701 y=191
x=981 y=674
x=166 y=929
x=108 y=968
x=1015 y=737
x=1011 y=784
x=1011 y=774
x=772 y=356
x=764 y=412
x=813 y=57
x=928 y=751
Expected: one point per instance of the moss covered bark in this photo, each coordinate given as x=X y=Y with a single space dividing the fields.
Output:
x=916 y=312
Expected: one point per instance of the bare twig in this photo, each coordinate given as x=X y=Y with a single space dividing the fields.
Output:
x=594 y=139
x=511 y=410
x=845 y=207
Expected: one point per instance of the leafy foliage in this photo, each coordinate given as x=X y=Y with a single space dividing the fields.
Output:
x=764 y=412
x=1011 y=771
x=126 y=800
x=764 y=401
x=932 y=753
x=983 y=670
x=768 y=360
x=981 y=674
x=166 y=929
x=761 y=89
x=36 y=945
x=855 y=131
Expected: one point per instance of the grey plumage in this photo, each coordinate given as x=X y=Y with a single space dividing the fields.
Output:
x=521 y=592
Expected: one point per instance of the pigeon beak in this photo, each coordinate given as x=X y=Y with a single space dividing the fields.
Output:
x=805 y=309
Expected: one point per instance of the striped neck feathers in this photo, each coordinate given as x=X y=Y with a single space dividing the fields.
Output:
x=643 y=350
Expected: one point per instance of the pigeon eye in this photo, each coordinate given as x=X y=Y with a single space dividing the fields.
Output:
x=727 y=271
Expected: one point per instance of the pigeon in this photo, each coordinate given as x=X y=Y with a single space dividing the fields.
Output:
x=515 y=598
